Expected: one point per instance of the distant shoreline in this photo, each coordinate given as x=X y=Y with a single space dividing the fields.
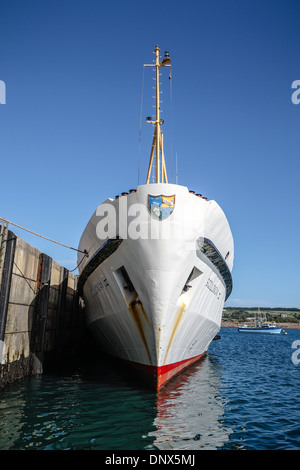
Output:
x=237 y=324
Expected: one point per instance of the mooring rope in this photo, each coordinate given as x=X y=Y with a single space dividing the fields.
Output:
x=42 y=236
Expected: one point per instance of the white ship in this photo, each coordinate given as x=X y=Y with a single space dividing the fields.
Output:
x=157 y=270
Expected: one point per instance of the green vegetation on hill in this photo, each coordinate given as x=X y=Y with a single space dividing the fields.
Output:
x=277 y=314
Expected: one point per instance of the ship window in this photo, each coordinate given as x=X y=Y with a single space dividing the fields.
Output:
x=125 y=283
x=211 y=252
x=190 y=286
x=190 y=282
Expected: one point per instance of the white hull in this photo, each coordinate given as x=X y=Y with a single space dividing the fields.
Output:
x=155 y=296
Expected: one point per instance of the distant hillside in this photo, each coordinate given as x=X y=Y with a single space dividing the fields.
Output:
x=277 y=314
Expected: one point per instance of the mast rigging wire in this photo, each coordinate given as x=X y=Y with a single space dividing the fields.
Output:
x=171 y=122
x=140 y=136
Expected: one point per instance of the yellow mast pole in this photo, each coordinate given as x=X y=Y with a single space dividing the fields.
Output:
x=157 y=143
x=157 y=50
x=151 y=157
x=163 y=163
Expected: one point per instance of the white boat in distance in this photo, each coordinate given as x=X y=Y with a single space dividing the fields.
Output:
x=261 y=325
x=268 y=328
x=157 y=270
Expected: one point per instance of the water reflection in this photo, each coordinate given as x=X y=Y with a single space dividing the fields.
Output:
x=190 y=410
x=11 y=415
x=226 y=401
x=100 y=406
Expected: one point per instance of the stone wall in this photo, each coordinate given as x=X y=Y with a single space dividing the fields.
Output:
x=41 y=315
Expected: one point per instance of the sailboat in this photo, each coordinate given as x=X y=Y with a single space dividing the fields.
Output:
x=157 y=269
x=261 y=325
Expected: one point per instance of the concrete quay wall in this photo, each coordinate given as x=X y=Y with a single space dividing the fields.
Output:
x=41 y=314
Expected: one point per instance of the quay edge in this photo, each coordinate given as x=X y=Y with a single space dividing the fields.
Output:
x=41 y=314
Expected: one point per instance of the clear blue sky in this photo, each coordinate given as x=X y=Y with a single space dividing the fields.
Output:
x=69 y=131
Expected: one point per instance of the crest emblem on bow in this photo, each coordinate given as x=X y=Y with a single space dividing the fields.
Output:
x=161 y=206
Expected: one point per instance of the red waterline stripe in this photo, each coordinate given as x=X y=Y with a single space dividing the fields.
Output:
x=158 y=376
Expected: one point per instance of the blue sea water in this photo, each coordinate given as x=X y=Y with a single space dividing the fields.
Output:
x=243 y=395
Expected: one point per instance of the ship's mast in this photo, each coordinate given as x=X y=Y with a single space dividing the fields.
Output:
x=157 y=143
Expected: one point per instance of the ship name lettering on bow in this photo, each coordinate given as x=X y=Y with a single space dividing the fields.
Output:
x=213 y=288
